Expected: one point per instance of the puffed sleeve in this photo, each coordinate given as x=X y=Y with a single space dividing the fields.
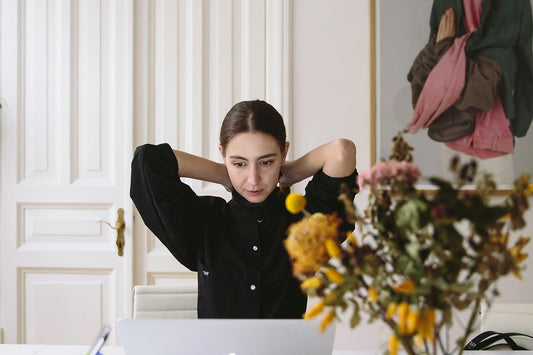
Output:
x=322 y=194
x=168 y=207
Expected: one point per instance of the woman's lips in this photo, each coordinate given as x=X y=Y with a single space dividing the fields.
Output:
x=255 y=192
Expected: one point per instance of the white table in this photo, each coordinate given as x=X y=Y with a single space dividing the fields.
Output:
x=29 y=349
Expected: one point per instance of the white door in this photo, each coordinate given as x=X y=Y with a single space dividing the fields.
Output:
x=193 y=61
x=66 y=146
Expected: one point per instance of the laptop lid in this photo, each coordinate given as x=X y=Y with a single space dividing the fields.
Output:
x=224 y=337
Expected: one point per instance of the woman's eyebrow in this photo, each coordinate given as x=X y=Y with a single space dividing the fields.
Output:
x=259 y=158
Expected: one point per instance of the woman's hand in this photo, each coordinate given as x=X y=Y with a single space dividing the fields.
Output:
x=446 y=26
x=224 y=178
x=287 y=179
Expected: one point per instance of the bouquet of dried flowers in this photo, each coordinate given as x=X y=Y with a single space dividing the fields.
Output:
x=414 y=257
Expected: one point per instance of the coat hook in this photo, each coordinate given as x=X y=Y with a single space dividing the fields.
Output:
x=120 y=226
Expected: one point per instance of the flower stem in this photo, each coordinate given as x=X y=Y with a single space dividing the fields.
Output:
x=408 y=346
x=470 y=324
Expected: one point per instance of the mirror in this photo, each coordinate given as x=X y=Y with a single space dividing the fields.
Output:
x=400 y=30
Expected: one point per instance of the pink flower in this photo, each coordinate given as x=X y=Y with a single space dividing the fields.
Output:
x=388 y=173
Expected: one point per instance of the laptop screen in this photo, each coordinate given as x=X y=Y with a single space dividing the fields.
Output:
x=224 y=336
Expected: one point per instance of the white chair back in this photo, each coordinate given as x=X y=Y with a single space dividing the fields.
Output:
x=165 y=301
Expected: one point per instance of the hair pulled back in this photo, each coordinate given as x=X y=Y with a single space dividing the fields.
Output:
x=250 y=117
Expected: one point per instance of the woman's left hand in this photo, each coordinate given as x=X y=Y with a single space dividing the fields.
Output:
x=286 y=179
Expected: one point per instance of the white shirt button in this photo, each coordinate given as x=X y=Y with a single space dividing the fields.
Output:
x=255 y=248
x=252 y=287
x=259 y=220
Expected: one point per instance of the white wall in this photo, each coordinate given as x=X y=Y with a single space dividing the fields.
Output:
x=331 y=83
x=332 y=99
x=331 y=74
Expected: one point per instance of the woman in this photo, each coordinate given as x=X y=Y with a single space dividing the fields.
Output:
x=236 y=246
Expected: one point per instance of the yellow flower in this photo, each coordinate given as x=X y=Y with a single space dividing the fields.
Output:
x=312 y=282
x=419 y=340
x=306 y=242
x=393 y=344
x=334 y=276
x=505 y=239
x=329 y=297
x=516 y=250
x=517 y=274
x=333 y=249
x=529 y=189
x=406 y=287
x=426 y=325
x=326 y=321
x=314 y=311
x=517 y=255
x=295 y=203
x=391 y=310
x=412 y=321
x=351 y=238
x=402 y=312
x=372 y=294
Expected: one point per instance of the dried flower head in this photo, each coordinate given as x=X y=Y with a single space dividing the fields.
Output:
x=401 y=150
x=306 y=242
x=295 y=203
x=390 y=173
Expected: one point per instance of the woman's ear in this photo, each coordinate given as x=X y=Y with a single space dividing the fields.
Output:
x=221 y=150
x=284 y=153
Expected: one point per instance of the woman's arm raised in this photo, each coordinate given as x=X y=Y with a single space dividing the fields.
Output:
x=195 y=167
x=336 y=158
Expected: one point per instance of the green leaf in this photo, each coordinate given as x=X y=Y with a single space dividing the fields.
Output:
x=440 y=283
x=461 y=287
x=408 y=214
x=413 y=249
x=355 y=319
x=447 y=316
x=444 y=186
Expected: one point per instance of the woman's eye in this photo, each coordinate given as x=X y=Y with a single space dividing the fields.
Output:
x=238 y=164
x=266 y=162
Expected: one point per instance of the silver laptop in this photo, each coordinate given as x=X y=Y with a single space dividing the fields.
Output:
x=224 y=337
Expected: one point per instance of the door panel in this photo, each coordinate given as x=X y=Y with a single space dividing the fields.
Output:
x=61 y=295
x=66 y=74
x=194 y=60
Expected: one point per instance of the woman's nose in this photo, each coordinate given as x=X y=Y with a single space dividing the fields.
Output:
x=253 y=175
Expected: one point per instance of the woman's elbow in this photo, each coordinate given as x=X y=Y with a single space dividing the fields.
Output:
x=344 y=155
x=346 y=150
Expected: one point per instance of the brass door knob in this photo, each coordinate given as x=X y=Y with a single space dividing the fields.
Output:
x=120 y=226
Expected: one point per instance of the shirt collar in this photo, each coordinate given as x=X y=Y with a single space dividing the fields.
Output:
x=241 y=201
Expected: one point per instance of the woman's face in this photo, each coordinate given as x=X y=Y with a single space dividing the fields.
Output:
x=253 y=161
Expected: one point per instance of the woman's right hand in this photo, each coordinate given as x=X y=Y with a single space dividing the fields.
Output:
x=446 y=26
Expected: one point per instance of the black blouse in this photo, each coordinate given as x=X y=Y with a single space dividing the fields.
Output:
x=237 y=246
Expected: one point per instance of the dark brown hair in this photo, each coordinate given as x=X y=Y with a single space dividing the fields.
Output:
x=252 y=116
